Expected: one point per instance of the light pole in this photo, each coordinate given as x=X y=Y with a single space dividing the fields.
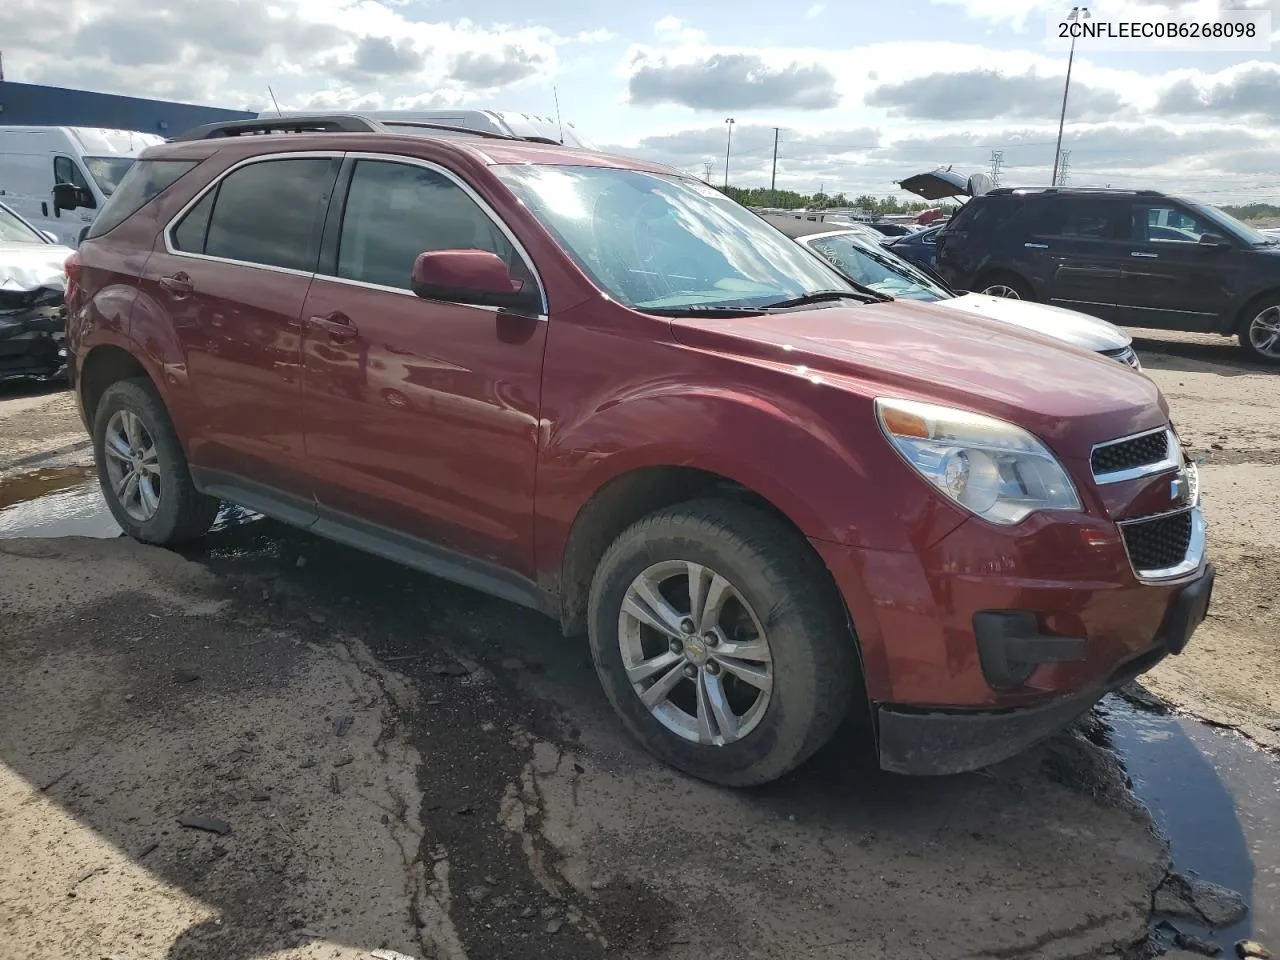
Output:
x=727 y=147
x=1077 y=14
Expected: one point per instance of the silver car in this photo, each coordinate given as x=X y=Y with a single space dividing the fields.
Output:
x=868 y=263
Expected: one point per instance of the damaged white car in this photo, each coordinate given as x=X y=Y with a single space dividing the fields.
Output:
x=33 y=323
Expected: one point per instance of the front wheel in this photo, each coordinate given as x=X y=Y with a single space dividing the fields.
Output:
x=720 y=642
x=1260 y=330
x=142 y=469
x=1007 y=286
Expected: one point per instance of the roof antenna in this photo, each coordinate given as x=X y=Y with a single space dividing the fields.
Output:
x=273 y=100
x=559 y=122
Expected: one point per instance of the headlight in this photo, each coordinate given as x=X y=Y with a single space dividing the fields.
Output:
x=991 y=468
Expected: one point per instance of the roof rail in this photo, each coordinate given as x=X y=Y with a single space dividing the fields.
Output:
x=334 y=123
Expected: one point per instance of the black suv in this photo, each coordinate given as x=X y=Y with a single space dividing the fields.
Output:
x=1134 y=257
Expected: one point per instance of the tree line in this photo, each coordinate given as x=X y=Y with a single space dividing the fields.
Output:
x=790 y=200
x=1253 y=211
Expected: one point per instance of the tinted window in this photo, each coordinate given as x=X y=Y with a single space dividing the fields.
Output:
x=983 y=213
x=190 y=233
x=1085 y=219
x=395 y=211
x=143 y=180
x=271 y=212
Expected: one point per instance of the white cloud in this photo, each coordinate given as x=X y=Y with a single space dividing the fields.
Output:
x=673 y=30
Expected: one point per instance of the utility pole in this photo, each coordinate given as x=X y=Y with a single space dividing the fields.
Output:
x=997 y=161
x=727 y=147
x=1079 y=14
x=773 y=179
x=706 y=170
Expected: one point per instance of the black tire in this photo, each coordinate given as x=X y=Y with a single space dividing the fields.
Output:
x=1009 y=280
x=814 y=659
x=182 y=512
x=1247 y=317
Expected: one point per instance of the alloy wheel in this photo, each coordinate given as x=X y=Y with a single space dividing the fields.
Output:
x=1002 y=290
x=695 y=652
x=133 y=465
x=1264 y=332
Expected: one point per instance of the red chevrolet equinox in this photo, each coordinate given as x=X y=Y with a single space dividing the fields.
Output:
x=599 y=388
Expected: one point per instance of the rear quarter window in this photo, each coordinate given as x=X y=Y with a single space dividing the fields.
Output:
x=143 y=182
x=983 y=213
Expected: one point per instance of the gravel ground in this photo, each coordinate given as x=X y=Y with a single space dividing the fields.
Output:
x=406 y=765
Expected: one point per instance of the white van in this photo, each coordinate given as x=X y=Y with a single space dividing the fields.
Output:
x=493 y=121
x=88 y=160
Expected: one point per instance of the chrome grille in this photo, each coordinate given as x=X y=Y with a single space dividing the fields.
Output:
x=1136 y=456
x=1159 y=543
x=1125 y=355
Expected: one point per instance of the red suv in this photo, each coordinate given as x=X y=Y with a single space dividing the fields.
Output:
x=599 y=388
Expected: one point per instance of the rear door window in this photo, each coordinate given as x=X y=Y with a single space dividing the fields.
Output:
x=143 y=182
x=268 y=213
x=1084 y=219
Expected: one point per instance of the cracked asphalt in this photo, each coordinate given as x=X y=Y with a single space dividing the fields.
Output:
x=392 y=763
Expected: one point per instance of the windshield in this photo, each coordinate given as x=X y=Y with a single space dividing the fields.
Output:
x=107 y=172
x=663 y=242
x=13 y=230
x=878 y=269
x=1229 y=223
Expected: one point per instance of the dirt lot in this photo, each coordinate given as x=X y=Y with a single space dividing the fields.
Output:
x=366 y=758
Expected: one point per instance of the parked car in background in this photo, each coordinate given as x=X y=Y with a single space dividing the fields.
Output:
x=58 y=178
x=32 y=284
x=1137 y=257
x=871 y=264
x=888 y=229
x=763 y=492
x=920 y=248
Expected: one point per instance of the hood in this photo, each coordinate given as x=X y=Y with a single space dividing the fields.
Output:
x=1070 y=326
x=943 y=183
x=30 y=266
x=1071 y=398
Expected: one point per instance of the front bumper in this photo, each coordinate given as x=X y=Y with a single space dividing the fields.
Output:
x=33 y=343
x=931 y=742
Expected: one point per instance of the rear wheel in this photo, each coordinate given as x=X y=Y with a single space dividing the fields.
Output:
x=1005 y=285
x=142 y=469
x=1260 y=330
x=720 y=642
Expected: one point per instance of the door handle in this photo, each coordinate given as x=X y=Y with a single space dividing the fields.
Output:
x=1145 y=256
x=337 y=325
x=178 y=284
x=1036 y=246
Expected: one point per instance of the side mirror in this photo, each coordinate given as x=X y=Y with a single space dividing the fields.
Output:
x=67 y=196
x=1215 y=240
x=471 y=276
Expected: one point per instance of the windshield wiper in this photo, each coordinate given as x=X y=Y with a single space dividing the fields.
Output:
x=825 y=296
x=705 y=310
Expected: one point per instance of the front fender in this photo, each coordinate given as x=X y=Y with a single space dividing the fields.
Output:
x=820 y=460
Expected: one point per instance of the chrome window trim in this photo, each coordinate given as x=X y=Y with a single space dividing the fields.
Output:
x=1194 y=558
x=1172 y=458
x=383 y=288
x=214 y=184
x=478 y=200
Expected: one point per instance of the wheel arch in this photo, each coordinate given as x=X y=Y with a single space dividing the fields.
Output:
x=103 y=365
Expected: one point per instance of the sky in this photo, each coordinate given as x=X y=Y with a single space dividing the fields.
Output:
x=864 y=93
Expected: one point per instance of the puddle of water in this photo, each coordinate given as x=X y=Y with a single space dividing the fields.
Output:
x=1216 y=798
x=62 y=502
x=67 y=502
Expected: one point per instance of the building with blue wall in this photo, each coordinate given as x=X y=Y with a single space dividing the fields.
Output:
x=29 y=104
